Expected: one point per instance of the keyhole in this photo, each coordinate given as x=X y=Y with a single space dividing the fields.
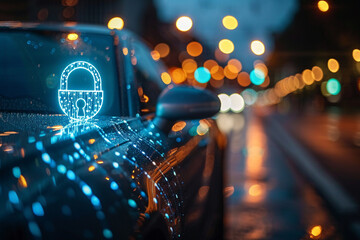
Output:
x=80 y=104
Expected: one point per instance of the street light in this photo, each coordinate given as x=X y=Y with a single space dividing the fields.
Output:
x=257 y=47
x=184 y=23
x=323 y=6
x=116 y=23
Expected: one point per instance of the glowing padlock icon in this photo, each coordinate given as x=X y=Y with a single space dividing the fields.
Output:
x=80 y=104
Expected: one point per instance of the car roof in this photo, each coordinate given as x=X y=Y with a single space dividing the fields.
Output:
x=61 y=27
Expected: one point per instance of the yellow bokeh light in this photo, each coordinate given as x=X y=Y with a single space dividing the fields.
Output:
x=189 y=65
x=316 y=231
x=323 y=6
x=155 y=55
x=178 y=75
x=317 y=73
x=209 y=64
x=194 y=49
x=165 y=77
x=116 y=23
x=163 y=49
x=235 y=64
x=356 y=55
x=257 y=47
x=72 y=36
x=307 y=77
x=255 y=190
x=333 y=65
x=230 y=22
x=184 y=23
x=226 y=46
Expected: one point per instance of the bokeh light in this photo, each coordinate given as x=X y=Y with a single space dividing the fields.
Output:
x=237 y=103
x=316 y=231
x=226 y=46
x=230 y=22
x=235 y=65
x=209 y=64
x=257 y=47
x=333 y=65
x=333 y=86
x=184 y=23
x=217 y=72
x=189 y=65
x=257 y=77
x=307 y=77
x=317 y=73
x=202 y=75
x=225 y=102
x=177 y=75
x=243 y=79
x=154 y=54
x=323 y=6
x=356 y=55
x=165 y=77
x=116 y=23
x=250 y=96
x=163 y=49
x=72 y=36
x=194 y=49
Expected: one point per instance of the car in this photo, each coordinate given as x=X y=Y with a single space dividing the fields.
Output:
x=122 y=156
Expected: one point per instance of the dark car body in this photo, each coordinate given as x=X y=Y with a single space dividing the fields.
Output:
x=117 y=176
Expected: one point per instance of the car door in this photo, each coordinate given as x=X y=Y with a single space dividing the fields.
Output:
x=190 y=166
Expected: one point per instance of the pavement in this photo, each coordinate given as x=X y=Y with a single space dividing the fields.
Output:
x=267 y=194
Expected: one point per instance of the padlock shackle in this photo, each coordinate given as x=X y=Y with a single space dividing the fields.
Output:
x=80 y=65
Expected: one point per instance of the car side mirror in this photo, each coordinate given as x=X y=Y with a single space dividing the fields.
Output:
x=184 y=103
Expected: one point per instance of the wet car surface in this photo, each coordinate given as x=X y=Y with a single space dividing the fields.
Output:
x=115 y=176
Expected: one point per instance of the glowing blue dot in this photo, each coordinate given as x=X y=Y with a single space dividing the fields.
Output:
x=70 y=175
x=46 y=158
x=31 y=139
x=132 y=203
x=76 y=155
x=71 y=159
x=86 y=190
x=155 y=200
x=114 y=186
x=333 y=86
x=39 y=146
x=95 y=201
x=13 y=197
x=107 y=233
x=257 y=77
x=37 y=209
x=34 y=229
x=133 y=185
x=202 y=75
x=61 y=169
x=143 y=194
x=178 y=139
x=115 y=164
x=16 y=172
x=167 y=215
x=117 y=153
x=77 y=145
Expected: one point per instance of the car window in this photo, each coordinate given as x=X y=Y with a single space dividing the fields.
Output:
x=31 y=63
x=147 y=77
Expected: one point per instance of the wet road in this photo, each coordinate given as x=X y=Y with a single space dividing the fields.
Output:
x=267 y=194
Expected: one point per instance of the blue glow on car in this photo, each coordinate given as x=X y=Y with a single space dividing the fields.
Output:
x=95 y=201
x=80 y=104
x=37 y=209
x=70 y=175
x=86 y=190
x=13 y=197
x=107 y=233
x=114 y=186
x=61 y=169
x=202 y=75
x=132 y=203
x=46 y=158
x=16 y=172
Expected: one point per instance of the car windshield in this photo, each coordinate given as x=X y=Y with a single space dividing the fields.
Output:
x=31 y=63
